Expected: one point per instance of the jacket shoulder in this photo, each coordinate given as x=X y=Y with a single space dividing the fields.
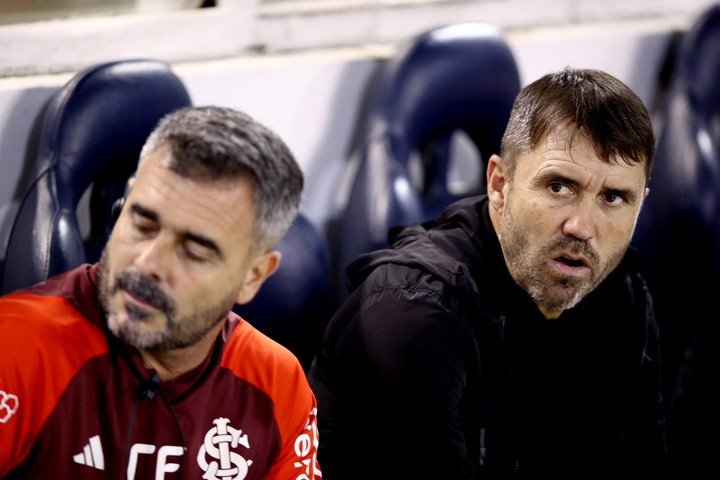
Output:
x=39 y=338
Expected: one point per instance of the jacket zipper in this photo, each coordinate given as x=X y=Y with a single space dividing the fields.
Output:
x=483 y=451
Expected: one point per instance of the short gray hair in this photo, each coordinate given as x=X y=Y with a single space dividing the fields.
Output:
x=212 y=143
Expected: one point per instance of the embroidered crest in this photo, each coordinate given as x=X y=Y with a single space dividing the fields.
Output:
x=225 y=464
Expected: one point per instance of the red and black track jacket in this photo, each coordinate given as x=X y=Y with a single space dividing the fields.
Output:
x=77 y=403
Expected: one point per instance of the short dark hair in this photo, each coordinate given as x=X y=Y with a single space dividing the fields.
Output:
x=212 y=143
x=593 y=102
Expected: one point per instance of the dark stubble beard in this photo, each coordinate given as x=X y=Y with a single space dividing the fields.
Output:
x=178 y=331
x=528 y=269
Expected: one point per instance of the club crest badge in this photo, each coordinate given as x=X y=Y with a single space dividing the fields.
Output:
x=218 y=457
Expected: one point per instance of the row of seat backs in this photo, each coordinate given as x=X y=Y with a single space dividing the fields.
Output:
x=459 y=77
x=450 y=78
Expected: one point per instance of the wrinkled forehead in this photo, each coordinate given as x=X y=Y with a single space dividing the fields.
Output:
x=569 y=136
x=574 y=150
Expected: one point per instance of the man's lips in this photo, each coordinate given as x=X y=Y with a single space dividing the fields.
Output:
x=137 y=301
x=570 y=264
x=572 y=259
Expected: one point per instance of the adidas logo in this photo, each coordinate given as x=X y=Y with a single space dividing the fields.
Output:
x=92 y=454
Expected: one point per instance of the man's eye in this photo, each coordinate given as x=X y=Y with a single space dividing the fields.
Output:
x=559 y=188
x=614 y=198
x=144 y=227
x=193 y=255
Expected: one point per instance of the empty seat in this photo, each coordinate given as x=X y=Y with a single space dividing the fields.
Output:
x=90 y=137
x=294 y=305
x=454 y=79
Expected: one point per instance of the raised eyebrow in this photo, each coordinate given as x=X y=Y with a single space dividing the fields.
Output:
x=545 y=177
x=550 y=176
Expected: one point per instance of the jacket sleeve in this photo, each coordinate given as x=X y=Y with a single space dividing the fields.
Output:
x=296 y=414
x=390 y=383
x=38 y=359
x=274 y=370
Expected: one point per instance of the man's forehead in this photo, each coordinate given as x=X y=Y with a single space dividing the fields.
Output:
x=558 y=155
x=173 y=196
x=571 y=138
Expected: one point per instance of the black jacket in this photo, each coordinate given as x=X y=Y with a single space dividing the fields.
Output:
x=438 y=366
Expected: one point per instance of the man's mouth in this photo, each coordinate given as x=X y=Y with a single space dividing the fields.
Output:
x=137 y=301
x=571 y=265
x=572 y=261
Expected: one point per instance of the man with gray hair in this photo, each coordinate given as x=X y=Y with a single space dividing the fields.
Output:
x=136 y=366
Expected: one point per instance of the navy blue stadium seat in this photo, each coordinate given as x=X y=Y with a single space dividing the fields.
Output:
x=454 y=78
x=90 y=136
x=678 y=236
x=294 y=305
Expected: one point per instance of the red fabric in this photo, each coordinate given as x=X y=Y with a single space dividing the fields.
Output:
x=38 y=361
x=295 y=406
x=75 y=400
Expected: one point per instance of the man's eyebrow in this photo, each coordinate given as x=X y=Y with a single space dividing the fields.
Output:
x=187 y=235
x=547 y=176
x=629 y=195
x=556 y=176
x=145 y=212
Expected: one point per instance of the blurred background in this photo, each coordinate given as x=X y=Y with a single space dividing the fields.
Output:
x=302 y=66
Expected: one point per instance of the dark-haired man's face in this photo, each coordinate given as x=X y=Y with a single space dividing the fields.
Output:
x=565 y=219
x=179 y=257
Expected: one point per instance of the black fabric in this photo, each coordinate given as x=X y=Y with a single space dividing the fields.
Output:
x=439 y=366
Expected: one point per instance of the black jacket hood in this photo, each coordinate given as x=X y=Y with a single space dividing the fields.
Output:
x=460 y=247
x=455 y=257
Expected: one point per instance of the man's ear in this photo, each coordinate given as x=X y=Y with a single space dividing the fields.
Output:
x=120 y=202
x=261 y=267
x=497 y=181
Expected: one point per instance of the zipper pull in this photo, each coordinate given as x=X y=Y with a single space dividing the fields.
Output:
x=483 y=451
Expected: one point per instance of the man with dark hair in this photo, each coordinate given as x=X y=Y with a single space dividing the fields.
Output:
x=512 y=337
x=136 y=367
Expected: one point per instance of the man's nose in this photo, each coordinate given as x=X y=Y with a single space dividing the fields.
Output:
x=582 y=222
x=154 y=258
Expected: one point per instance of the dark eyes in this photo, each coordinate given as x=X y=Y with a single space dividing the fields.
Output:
x=559 y=188
x=611 y=197
x=614 y=197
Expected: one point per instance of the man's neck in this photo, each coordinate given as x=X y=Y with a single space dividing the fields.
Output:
x=171 y=364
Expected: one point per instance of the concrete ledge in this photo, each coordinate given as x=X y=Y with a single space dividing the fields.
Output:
x=246 y=28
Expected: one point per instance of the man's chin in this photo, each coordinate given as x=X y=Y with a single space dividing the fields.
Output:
x=564 y=297
x=135 y=331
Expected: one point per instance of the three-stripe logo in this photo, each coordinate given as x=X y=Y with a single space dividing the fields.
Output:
x=92 y=454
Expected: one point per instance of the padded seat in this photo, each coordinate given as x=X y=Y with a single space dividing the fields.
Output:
x=90 y=137
x=457 y=79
